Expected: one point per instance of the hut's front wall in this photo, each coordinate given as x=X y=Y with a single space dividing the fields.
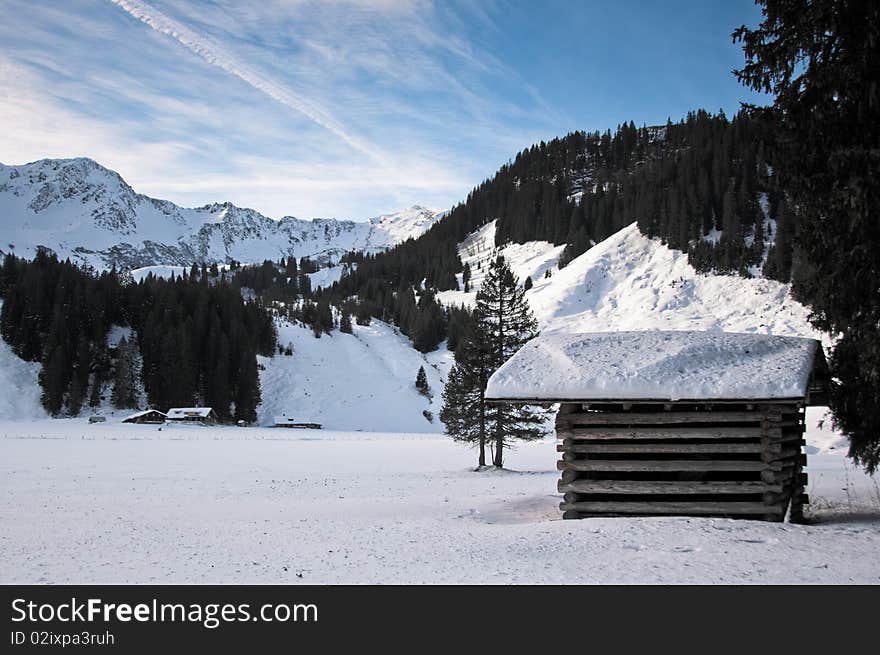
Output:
x=682 y=459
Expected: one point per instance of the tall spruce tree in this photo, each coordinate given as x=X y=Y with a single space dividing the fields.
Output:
x=504 y=323
x=125 y=376
x=422 y=382
x=464 y=412
x=821 y=62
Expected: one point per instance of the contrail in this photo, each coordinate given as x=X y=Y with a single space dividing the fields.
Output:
x=216 y=57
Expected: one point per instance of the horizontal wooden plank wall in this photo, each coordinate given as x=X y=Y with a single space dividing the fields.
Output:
x=682 y=459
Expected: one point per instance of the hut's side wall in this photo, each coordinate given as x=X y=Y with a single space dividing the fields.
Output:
x=682 y=459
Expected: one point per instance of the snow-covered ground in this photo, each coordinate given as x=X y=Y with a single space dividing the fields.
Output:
x=113 y=503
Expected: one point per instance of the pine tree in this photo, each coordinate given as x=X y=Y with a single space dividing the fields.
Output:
x=125 y=376
x=247 y=395
x=464 y=412
x=345 y=323
x=422 y=382
x=503 y=324
x=821 y=62
x=53 y=380
x=506 y=323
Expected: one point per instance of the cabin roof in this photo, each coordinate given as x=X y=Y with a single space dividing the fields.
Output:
x=142 y=413
x=657 y=365
x=184 y=412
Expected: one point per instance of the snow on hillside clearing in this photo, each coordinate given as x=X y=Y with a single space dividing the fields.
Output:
x=359 y=381
x=631 y=282
x=532 y=259
x=164 y=272
x=21 y=390
x=325 y=277
x=667 y=365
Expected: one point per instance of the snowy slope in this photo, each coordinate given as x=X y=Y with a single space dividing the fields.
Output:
x=18 y=379
x=359 y=381
x=81 y=210
x=631 y=282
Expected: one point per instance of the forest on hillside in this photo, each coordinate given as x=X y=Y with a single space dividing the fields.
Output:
x=704 y=185
x=194 y=339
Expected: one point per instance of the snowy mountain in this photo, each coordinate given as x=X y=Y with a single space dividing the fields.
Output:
x=632 y=282
x=79 y=209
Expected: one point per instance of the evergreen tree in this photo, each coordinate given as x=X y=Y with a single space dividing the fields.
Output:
x=53 y=380
x=821 y=62
x=503 y=324
x=79 y=384
x=464 y=412
x=247 y=395
x=422 y=382
x=506 y=323
x=125 y=376
x=345 y=323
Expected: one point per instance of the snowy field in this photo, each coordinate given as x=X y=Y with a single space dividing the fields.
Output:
x=122 y=504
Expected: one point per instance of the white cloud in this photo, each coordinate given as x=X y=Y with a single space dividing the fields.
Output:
x=347 y=108
x=217 y=56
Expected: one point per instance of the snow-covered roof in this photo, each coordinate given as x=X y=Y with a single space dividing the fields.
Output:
x=280 y=420
x=189 y=412
x=142 y=413
x=656 y=365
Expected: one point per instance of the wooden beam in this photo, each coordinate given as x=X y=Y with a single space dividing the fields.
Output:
x=683 y=432
x=642 y=448
x=787 y=453
x=677 y=507
x=656 y=418
x=665 y=487
x=664 y=465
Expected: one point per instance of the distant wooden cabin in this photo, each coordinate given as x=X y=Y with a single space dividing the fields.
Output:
x=148 y=416
x=674 y=423
x=290 y=422
x=192 y=415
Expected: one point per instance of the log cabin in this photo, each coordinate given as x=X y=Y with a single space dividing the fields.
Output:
x=204 y=415
x=674 y=422
x=147 y=416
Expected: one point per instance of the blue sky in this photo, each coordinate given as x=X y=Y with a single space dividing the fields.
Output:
x=345 y=108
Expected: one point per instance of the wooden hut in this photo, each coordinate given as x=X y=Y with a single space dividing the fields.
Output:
x=676 y=423
x=148 y=416
x=204 y=415
x=284 y=421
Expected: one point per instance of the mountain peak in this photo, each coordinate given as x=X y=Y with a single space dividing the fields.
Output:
x=80 y=209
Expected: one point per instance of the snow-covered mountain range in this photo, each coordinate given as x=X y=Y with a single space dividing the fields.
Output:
x=82 y=210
